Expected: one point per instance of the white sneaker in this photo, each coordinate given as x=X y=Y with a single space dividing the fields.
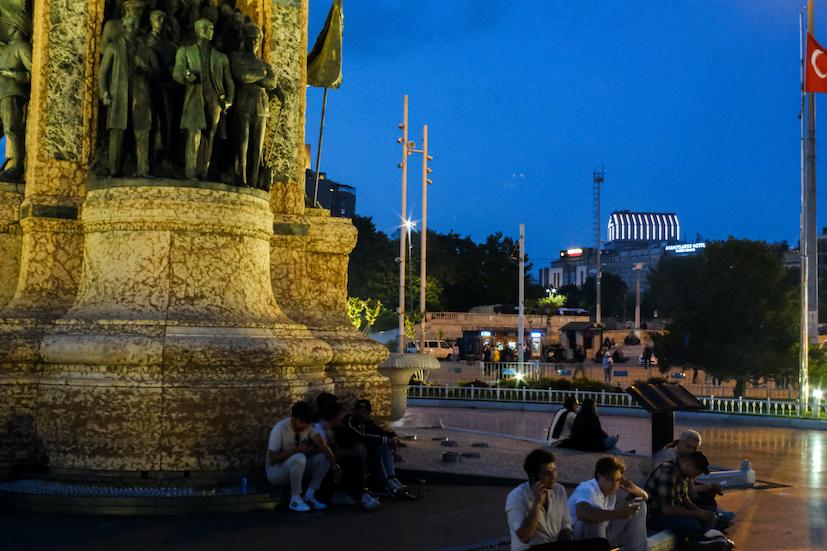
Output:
x=340 y=498
x=314 y=503
x=369 y=502
x=297 y=504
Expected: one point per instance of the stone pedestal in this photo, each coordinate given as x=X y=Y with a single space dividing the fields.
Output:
x=175 y=356
x=313 y=249
x=10 y=239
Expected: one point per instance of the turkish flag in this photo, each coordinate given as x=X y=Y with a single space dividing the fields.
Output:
x=815 y=78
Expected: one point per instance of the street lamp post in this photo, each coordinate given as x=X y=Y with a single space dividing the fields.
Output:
x=638 y=267
x=402 y=252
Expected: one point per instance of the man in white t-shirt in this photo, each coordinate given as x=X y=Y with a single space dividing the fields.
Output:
x=536 y=510
x=290 y=457
x=597 y=513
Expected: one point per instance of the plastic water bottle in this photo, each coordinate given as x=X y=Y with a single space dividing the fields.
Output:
x=244 y=486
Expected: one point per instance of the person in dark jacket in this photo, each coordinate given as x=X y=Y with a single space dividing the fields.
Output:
x=586 y=432
x=379 y=443
x=561 y=425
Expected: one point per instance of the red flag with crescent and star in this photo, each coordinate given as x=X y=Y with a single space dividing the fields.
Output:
x=815 y=77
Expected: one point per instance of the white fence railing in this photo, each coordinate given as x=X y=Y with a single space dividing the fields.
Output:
x=744 y=406
x=491 y=372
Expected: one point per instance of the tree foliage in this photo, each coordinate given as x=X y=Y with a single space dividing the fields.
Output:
x=461 y=273
x=613 y=291
x=733 y=311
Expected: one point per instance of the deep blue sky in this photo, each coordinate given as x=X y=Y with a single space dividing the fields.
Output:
x=691 y=106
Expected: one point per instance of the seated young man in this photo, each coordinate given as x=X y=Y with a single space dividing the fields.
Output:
x=538 y=518
x=291 y=458
x=353 y=459
x=702 y=495
x=670 y=507
x=380 y=445
x=597 y=512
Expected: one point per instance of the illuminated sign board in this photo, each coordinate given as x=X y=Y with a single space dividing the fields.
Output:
x=571 y=252
x=536 y=334
x=685 y=248
x=485 y=333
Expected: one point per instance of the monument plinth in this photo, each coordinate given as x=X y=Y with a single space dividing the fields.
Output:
x=162 y=324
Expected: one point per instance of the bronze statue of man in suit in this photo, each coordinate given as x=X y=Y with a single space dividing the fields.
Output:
x=15 y=75
x=254 y=79
x=127 y=66
x=209 y=93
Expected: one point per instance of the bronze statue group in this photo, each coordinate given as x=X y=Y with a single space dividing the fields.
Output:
x=180 y=78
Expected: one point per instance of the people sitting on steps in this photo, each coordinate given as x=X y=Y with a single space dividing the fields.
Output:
x=702 y=495
x=350 y=490
x=292 y=457
x=537 y=513
x=380 y=445
x=610 y=506
x=560 y=428
x=670 y=507
x=586 y=432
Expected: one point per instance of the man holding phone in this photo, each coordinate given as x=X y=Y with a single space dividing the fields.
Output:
x=538 y=518
x=597 y=512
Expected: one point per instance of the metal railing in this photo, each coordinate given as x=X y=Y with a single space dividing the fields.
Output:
x=491 y=372
x=714 y=404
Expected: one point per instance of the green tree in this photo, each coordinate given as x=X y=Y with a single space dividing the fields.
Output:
x=733 y=310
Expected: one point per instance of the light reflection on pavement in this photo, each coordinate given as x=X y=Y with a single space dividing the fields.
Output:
x=788 y=514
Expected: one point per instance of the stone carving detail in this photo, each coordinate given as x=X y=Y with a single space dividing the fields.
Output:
x=15 y=76
x=210 y=94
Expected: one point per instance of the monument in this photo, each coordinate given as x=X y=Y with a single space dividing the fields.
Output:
x=160 y=323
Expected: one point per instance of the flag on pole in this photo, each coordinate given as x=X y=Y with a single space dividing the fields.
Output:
x=815 y=77
x=324 y=62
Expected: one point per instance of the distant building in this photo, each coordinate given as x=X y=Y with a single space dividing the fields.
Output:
x=632 y=238
x=643 y=227
x=339 y=199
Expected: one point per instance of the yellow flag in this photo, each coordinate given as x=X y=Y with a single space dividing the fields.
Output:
x=324 y=62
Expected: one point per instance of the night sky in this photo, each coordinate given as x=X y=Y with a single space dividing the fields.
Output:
x=691 y=107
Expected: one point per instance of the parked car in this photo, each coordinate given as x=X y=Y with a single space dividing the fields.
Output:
x=439 y=349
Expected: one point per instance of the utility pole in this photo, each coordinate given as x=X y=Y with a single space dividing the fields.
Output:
x=423 y=272
x=521 y=312
x=638 y=267
x=402 y=233
x=597 y=181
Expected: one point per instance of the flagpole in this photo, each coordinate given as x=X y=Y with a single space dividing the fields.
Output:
x=319 y=149
x=803 y=378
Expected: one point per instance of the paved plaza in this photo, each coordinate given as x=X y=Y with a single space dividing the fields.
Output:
x=785 y=512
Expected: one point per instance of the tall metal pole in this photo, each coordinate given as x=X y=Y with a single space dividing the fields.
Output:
x=521 y=312
x=319 y=149
x=402 y=233
x=812 y=226
x=597 y=182
x=638 y=268
x=423 y=271
x=803 y=372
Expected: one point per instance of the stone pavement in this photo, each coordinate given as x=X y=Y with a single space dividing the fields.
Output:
x=785 y=514
x=502 y=457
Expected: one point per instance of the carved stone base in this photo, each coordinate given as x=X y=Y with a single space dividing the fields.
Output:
x=175 y=356
x=312 y=250
x=10 y=240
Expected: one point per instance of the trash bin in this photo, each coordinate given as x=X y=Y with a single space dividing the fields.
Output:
x=662 y=400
